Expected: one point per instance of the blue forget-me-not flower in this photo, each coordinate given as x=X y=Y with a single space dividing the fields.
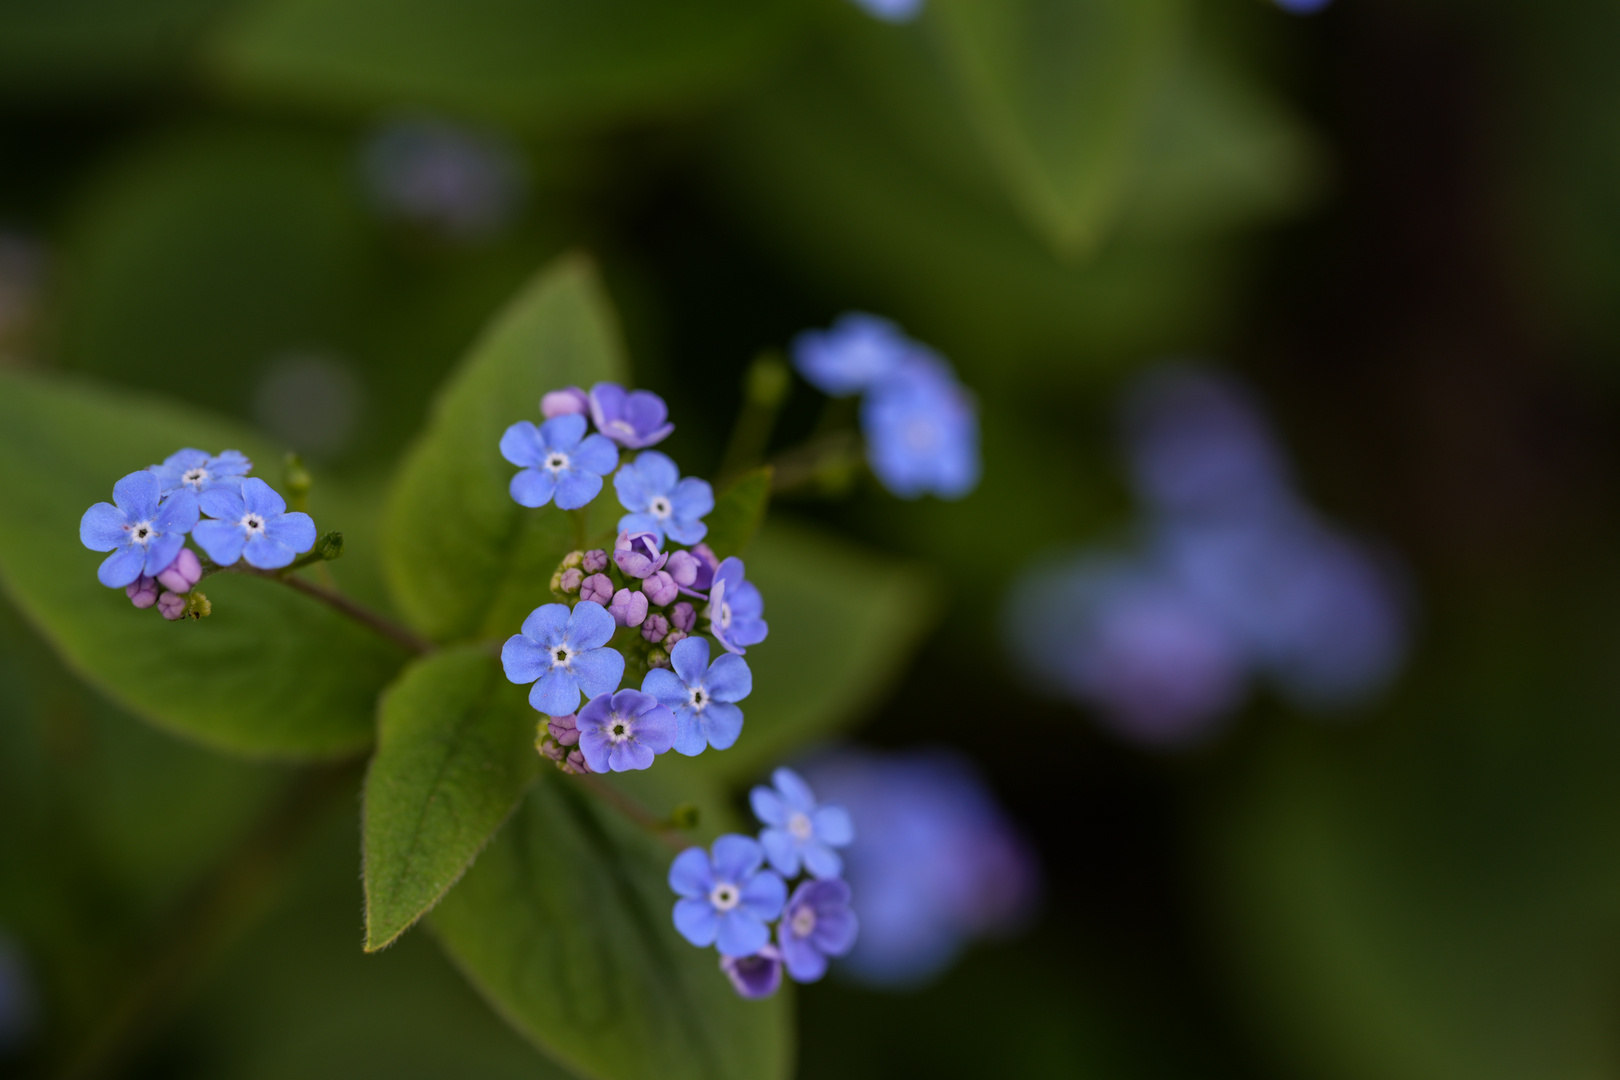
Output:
x=623 y=731
x=563 y=653
x=727 y=897
x=855 y=352
x=895 y=11
x=559 y=461
x=816 y=924
x=922 y=430
x=632 y=418
x=702 y=695
x=660 y=501
x=197 y=470
x=252 y=523
x=735 y=608
x=798 y=829
x=143 y=530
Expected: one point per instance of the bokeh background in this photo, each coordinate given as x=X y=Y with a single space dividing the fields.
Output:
x=1390 y=227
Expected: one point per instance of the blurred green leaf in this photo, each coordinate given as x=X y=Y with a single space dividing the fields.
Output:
x=455 y=752
x=738 y=513
x=564 y=924
x=542 y=63
x=76 y=48
x=270 y=673
x=462 y=557
x=1060 y=92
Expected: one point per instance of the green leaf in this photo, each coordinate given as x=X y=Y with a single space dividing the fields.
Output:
x=270 y=673
x=1060 y=92
x=564 y=924
x=455 y=752
x=463 y=559
x=739 y=512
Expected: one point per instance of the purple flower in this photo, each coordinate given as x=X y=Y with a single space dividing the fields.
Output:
x=172 y=606
x=922 y=430
x=702 y=696
x=253 y=524
x=182 y=574
x=636 y=553
x=143 y=530
x=598 y=588
x=628 y=608
x=562 y=653
x=571 y=579
x=142 y=592
x=693 y=570
x=564 y=402
x=655 y=629
x=633 y=419
x=855 y=353
x=624 y=731
x=757 y=976
x=894 y=11
x=660 y=501
x=659 y=587
x=672 y=639
x=735 y=607
x=197 y=471
x=817 y=923
x=559 y=461
x=564 y=729
x=683 y=617
x=594 y=561
x=797 y=829
x=575 y=764
x=726 y=899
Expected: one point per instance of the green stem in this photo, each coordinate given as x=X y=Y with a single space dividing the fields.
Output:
x=335 y=600
x=820 y=458
x=765 y=388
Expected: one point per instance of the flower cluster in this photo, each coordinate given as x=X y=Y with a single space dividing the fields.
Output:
x=921 y=425
x=152 y=511
x=1237 y=576
x=642 y=608
x=729 y=896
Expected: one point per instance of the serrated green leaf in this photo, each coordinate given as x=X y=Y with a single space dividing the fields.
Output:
x=463 y=559
x=455 y=752
x=564 y=924
x=738 y=513
x=270 y=673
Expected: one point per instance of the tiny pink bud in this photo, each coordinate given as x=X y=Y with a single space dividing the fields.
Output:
x=563 y=729
x=576 y=763
x=182 y=574
x=142 y=592
x=655 y=628
x=628 y=608
x=597 y=587
x=571 y=580
x=683 y=616
x=172 y=606
x=596 y=560
x=564 y=402
x=674 y=638
x=659 y=587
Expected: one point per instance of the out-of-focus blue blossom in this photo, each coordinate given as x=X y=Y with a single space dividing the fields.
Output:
x=726 y=898
x=18 y=1004
x=1120 y=636
x=736 y=608
x=702 y=696
x=895 y=11
x=1303 y=7
x=798 y=829
x=624 y=731
x=858 y=350
x=757 y=976
x=252 y=523
x=632 y=418
x=922 y=430
x=563 y=652
x=816 y=924
x=143 y=529
x=462 y=184
x=660 y=501
x=558 y=460
x=936 y=862
x=197 y=470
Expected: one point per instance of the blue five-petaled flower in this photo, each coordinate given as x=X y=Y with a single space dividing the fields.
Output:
x=198 y=471
x=922 y=430
x=817 y=923
x=144 y=531
x=563 y=653
x=559 y=461
x=252 y=523
x=735 y=608
x=726 y=899
x=660 y=501
x=702 y=695
x=797 y=829
x=623 y=731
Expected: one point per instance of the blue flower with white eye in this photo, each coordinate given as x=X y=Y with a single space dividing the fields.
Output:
x=797 y=829
x=701 y=695
x=562 y=653
x=726 y=898
x=857 y=351
x=735 y=608
x=559 y=461
x=252 y=523
x=634 y=419
x=895 y=11
x=197 y=470
x=922 y=430
x=817 y=923
x=143 y=530
x=660 y=501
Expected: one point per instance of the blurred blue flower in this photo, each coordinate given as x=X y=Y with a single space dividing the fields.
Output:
x=252 y=523
x=660 y=501
x=855 y=352
x=562 y=653
x=726 y=899
x=624 y=731
x=922 y=430
x=702 y=695
x=198 y=471
x=460 y=183
x=558 y=460
x=816 y=924
x=143 y=530
x=735 y=608
x=936 y=862
x=895 y=11
x=634 y=419
x=799 y=829
x=1303 y=7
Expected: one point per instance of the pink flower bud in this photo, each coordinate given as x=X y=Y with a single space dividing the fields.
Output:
x=142 y=592
x=563 y=729
x=628 y=608
x=172 y=606
x=637 y=554
x=674 y=638
x=660 y=588
x=564 y=402
x=683 y=616
x=597 y=587
x=182 y=574
x=575 y=763
x=655 y=628
x=570 y=580
x=595 y=562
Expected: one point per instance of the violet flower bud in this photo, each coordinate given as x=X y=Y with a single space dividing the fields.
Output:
x=628 y=608
x=655 y=628
x=674 y=638
x=636 y=553
x=573 y=559
x=563 y=729
x=660 y=587
x=549 y=748
x=570 y=580
x=182 y=574
x=683 y=616
x=142 y=592
x=596 y=560
x=695 y=572
x=172 y=606
x=575 y=765
x=564 y=402
x=597 y=588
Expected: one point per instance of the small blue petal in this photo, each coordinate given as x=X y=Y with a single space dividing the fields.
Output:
x=599 y=671
x=697 y=921
x=221 y=541
x=741 y=933
x=736 y=857
x=102 y=528
x=121 y=567
x=768 y=806
x=590 y=626
x=556 y=694
x=532 y=488
x=729 y=679
x=523 y=660
x=689 y=874
x=722 y=724
x=575 y=487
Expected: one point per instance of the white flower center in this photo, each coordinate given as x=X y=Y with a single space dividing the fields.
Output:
x=725 y=896
x=622 y=425
x=799 y=825
x=803 y=922
x=725 y=615
x=252 y=522
x=618 y=729
x=659 y=507
x=562 y=655
x=142 y=532
x=699 y=699
x=556 y=461
x=195 y=477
